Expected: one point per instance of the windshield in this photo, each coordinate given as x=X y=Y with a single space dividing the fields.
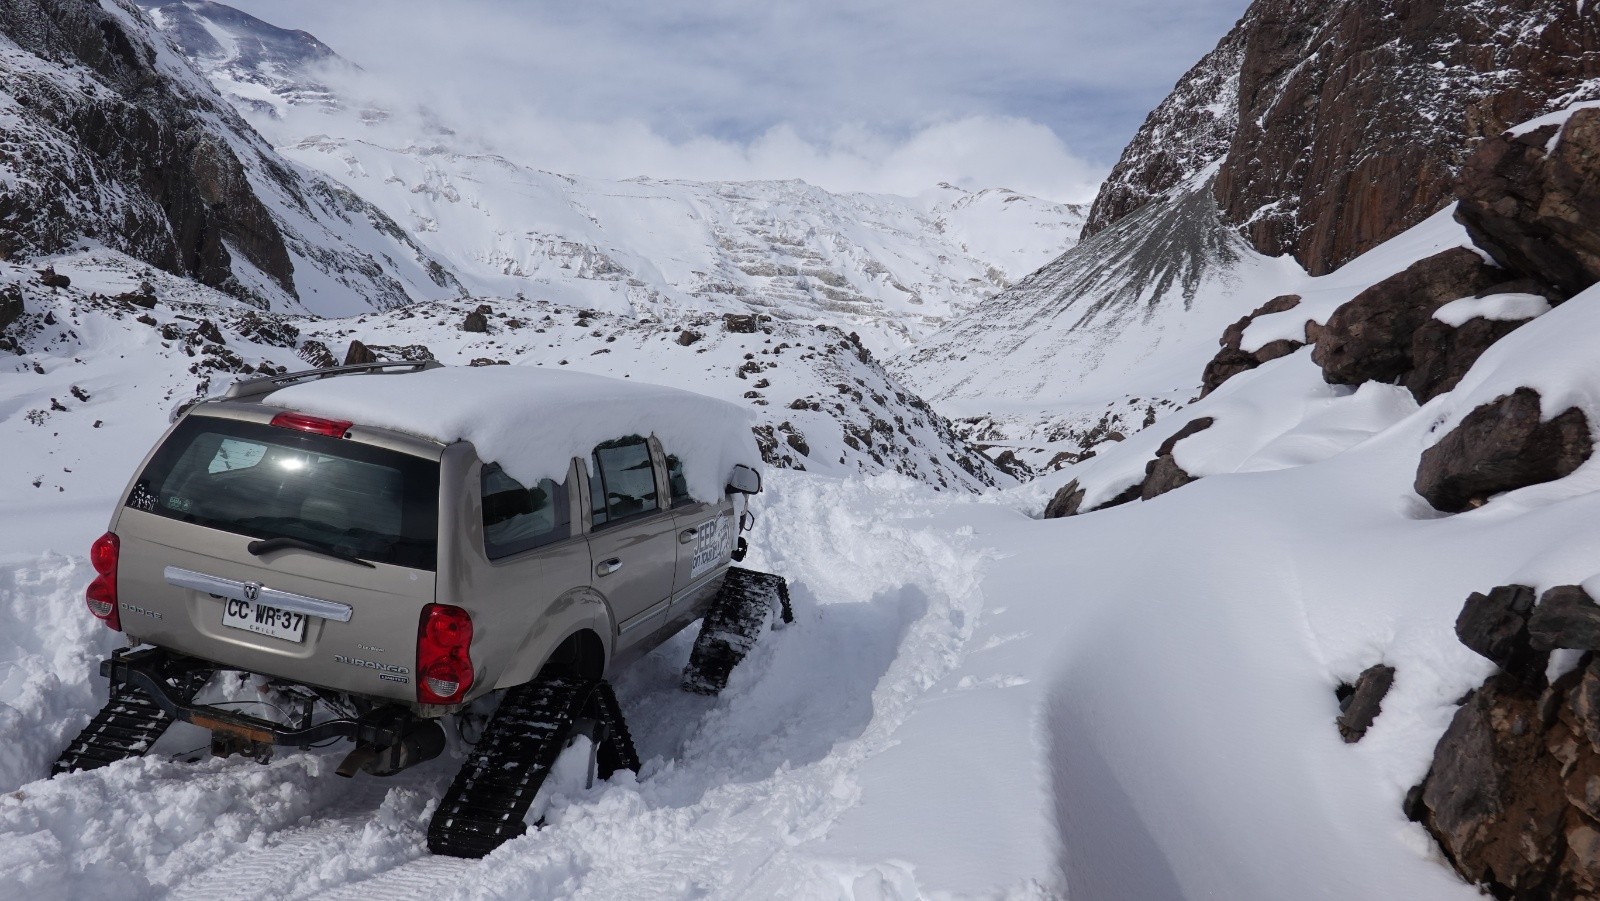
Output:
x=268 y=482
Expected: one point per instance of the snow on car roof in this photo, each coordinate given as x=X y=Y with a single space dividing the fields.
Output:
x=532 y=420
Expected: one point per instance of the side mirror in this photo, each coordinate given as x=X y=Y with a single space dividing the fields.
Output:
x=744 y=480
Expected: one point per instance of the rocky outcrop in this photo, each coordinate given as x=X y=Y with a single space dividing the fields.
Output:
x=1513 y=795
x=119 y=152
x=1501 y=446
x=1533 y=201
x=358 y=354
x=1161 y=475
x=1232 y=359
x=1188 y=131
x=1565 y=618
x=1360 y=706
x=1350 y=119
x=1369 y=338
x=1442 y=353
x=1496 y=626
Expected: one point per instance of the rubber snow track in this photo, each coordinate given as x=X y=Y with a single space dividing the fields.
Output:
x=733 y=788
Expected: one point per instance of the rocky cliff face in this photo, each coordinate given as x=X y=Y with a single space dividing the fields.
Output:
x=1189 y=131
x=104 y=145
x=107 y=134
x=1348 y=121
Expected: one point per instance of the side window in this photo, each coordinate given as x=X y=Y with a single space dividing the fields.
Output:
x=624 y=481
x=677 y=485
x=516 y=519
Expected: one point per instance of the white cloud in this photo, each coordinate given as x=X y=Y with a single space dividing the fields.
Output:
x=1036 y=95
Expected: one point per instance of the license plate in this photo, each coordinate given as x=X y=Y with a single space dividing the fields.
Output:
x=264 y=620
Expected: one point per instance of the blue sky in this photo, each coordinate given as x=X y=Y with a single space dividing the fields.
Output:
x=1035 y=95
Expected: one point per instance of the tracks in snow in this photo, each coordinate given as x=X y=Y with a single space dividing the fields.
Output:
x=733 y=787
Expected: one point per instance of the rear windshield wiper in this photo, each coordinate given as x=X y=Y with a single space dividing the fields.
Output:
x=281 y=543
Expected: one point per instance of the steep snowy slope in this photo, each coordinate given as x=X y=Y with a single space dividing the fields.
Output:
x=112 y=137
x=822 y=403
x=890 y=268
x=1157 y=286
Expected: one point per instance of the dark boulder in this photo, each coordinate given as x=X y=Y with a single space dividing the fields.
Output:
x=1232 y=359
x=358 y=354
x=317 y=354
x=475 y=322
x=1161 y=475
x=1441 y=353
x=744 y=325
x=688 y=337
x=11 y=307
x=1501 y=446
x=1535 y=211
x=267 y=329
x=1494 y=798
x=1066 y=502
x=1496 y=626
x=1191 y=427
x=208 y=331
x=1361 y=705
x=1565 y=618
x=1369 y=338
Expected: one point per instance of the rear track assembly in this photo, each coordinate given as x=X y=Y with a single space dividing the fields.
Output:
x=125 y=727
x=486 y=804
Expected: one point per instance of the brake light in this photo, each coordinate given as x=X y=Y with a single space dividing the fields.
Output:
x=333 y=428
x=101 y=595
x=444 y=664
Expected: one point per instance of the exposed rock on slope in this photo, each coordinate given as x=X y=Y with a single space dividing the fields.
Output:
x=1352 y=117
x=1532 y=200
x=243 y=52
x=1188 y=132
x=1369 y=339
x=1511 y=796
x=1502 y=446
x=1233 y=359
x=109 y=135
x=118 y=152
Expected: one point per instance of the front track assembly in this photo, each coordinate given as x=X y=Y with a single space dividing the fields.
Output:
x=747 y=602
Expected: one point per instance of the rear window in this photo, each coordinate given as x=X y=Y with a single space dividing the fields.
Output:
x=267 y=482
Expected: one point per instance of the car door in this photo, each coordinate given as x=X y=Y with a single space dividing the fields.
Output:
x=632 y=536
x=706 y=534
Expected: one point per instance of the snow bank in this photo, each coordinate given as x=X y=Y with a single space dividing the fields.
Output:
x=533 y=421
x=1501 y=307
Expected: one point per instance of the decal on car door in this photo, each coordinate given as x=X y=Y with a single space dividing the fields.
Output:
x=712 y=545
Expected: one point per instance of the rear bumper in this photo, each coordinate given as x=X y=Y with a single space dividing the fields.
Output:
x=149 y=669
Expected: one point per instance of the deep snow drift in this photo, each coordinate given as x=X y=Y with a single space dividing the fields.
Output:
x=1138 y=703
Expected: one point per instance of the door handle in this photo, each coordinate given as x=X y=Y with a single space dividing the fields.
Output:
x=687 y=535
x=607 y=567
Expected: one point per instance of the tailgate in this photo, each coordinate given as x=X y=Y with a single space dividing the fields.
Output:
x=177 y=582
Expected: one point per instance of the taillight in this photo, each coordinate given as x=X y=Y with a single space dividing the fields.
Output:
x=101 y=594
x=333 y=428
x=444 y=666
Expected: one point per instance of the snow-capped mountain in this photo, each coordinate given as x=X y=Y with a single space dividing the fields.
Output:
x=890 y=268
x=253 y=64
x=114 y=139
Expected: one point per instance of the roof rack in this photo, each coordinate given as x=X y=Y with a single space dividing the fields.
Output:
x=261 y=385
